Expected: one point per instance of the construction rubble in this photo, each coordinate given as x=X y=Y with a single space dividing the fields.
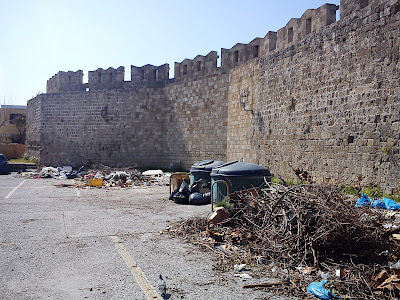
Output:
x=102 y=176
x=310 y=238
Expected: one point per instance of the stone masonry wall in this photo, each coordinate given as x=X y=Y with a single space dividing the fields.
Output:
x=33 y=127
x=146 y=127
x=325 y=100
x=113 y=127
x=329 y=104
x=198 y=120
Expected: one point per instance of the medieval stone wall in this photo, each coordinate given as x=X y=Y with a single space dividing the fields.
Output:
x=197 y=125
x=148 y=127
x=328 y=104
x=34 y=127
x=113 y=127
x=319 y=95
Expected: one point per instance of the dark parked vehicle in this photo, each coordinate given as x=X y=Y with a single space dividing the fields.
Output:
x=4 y=168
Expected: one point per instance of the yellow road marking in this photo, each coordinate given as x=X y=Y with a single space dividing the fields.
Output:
x=14 y=189
x=140 y=278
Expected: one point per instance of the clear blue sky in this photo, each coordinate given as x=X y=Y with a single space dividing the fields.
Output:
x=38 y=38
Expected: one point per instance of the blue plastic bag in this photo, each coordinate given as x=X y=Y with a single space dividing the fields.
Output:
x=386 y=203
x=390 y=204
x=364 y=200
x=318 y=290
x=378 y=204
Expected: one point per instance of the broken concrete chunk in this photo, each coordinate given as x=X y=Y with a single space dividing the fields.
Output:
x=219 y=215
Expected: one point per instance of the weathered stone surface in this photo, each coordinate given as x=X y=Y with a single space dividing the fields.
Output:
x=327 y=101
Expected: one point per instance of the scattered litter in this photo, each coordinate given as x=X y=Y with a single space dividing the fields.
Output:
x=155 y=173
x=260 y=260
x=363 y=200
x=325 y=275
x=390 y=204
x=64 y=185
x=102 y=177
x=243 y=276
x=396 y=265
x=307 y=270
x=95 y=182
x=390 y=226
x=385 y=203
x=340 y=273
x=48 y=172
x=384 y=253
x=318 y=290
x=176 y=179
x=239 y=268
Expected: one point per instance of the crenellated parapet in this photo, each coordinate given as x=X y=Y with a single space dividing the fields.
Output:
x=240 y=53
x=149 y=75
x=297 y=29
x=312 y=20
x=268 y=43
x=349 y=6
x=106 y=79
x=199 y=66
x=289 y=34
x=65 y=81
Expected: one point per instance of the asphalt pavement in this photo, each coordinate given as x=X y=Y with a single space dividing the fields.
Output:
x=96 y=243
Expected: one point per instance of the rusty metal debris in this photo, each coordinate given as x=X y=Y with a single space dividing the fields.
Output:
x=303 y=233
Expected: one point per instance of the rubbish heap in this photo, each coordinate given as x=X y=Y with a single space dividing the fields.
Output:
x=101 y=177
x=304 y=234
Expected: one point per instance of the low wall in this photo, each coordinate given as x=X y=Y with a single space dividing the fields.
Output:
x=12 y=150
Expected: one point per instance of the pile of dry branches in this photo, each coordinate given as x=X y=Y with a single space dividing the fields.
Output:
x=302 y=225
x=305 y=224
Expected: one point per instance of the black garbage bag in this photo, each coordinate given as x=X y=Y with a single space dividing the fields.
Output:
x=184 y=188
x=208 y=196
x=201 y=183
x=182 y=195
x=46 y=175
x=171 y=197
x=180 y=198
x=72 y=175
x=200 y=199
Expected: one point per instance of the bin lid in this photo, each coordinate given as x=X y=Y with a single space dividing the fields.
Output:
x=241 y=169
x=203 y=162
x=206 y=167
